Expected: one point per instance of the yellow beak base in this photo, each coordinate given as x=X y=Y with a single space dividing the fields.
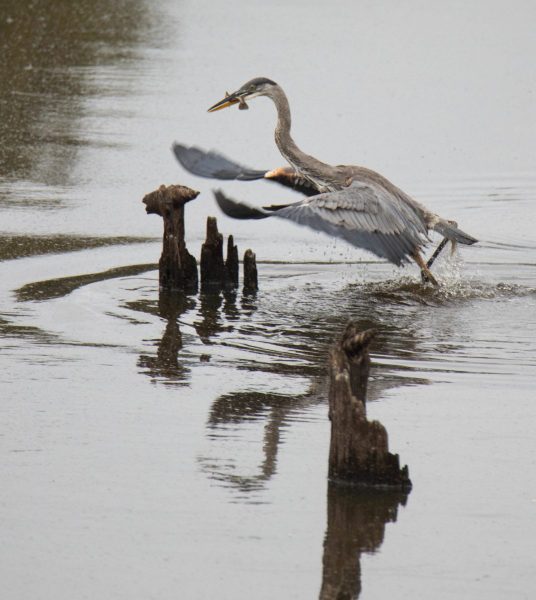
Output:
x=229 y=101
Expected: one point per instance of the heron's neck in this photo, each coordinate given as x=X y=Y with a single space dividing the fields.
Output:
x=311 y=168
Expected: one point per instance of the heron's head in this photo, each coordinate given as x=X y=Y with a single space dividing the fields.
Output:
x=260 y=86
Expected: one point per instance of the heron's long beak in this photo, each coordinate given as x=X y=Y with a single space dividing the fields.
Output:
x=229 y=100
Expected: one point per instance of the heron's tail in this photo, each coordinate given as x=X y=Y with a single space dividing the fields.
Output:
x=449 y=229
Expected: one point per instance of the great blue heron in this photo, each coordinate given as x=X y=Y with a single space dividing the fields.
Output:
x=350 y=202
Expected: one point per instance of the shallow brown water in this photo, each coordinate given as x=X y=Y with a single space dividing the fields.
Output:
x=157 y=445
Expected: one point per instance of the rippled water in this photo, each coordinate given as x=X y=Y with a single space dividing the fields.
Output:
x=161 y=445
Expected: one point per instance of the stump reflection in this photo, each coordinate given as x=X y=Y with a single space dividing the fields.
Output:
x=356 y=524
x=166 y=365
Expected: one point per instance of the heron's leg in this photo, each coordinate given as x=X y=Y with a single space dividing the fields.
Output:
x=437 y=252
x=426 y=274
x=440 y=247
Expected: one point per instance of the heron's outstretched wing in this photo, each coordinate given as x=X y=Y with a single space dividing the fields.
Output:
x=214 y=165
x=238 y=210
x=365 y=215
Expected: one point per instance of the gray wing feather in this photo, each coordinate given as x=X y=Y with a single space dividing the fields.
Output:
x=366 y=216
x=238 y=210
x=212 y=164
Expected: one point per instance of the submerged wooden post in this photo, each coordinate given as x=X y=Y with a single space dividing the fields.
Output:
x=251 y=283
x=216 y=274
x=359 y=452
x=212 y=265
x=231 y=264
x=177 y=267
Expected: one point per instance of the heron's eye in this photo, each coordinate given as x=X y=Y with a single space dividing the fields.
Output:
x=251 y=89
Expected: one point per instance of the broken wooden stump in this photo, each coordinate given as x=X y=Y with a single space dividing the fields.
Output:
x=212 y=265
x=177 y=267
x=251 y=283
x=359 y=452
x=231 y=264
x=217 y=274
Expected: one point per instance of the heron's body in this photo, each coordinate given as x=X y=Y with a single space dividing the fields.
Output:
x=347 y=201
x=328 y=178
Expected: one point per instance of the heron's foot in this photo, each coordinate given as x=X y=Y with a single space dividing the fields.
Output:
x=426 y=274
x=427 y=277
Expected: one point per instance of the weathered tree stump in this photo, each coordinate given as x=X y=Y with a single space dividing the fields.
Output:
x=217 y=275
x=251 y=283
x=212 y=265
x=177 y=267
x=231 y=264
x=359 y=452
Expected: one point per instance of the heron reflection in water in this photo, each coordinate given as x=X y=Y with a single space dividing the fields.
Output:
x=346 y=201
